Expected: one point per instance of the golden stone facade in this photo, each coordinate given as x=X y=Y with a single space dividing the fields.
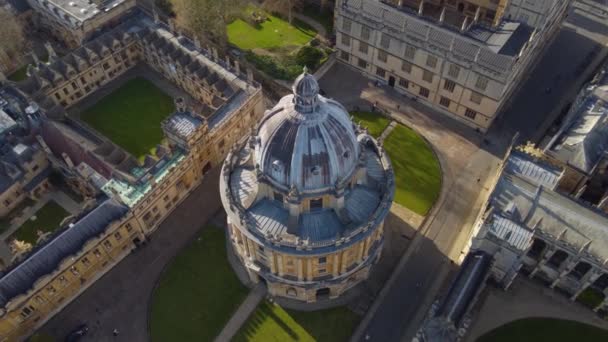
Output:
x=306 y=198
x=48 y=279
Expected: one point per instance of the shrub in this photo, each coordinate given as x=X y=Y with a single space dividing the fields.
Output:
x=309 y=56
x=590 y=298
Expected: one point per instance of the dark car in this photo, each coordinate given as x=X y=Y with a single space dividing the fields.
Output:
x=77 y=333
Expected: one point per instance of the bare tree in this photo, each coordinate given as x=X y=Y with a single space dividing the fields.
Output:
x=207 y=19
x=12 y=40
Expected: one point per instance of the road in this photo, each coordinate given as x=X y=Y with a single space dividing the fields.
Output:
x=572 y=59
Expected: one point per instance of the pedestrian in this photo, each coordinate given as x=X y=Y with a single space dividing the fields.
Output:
x=115 y=332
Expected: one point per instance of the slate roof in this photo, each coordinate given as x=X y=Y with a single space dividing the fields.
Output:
x=526 y=202
x=46 y=258
x=583 y=139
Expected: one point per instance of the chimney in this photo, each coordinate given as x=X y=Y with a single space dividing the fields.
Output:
x=237 y=67
x=36 y=60
x=50 y=51
x=477 y=14
x=215 y=55
x=421 y=8
x=442 y=16
x=465 y=24
x=249 y=76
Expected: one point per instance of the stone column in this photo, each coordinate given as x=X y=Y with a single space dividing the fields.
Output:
x=309 y=269
x=273 y=263
x=564 y=270
x=300 y=269
x=246 y=246
x=366 y=245
x=545 y=256
x=343 y=262
x=280 y=265
x=336 y=269
x=360 y=251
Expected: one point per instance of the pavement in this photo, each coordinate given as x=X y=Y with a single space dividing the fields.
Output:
x=241 y=315
x=120 y=299
x=467 y=164
x=570 y=61
x=526 y=298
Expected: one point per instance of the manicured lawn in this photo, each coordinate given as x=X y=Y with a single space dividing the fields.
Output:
x=198 y=293
x=375 y=123
x=48 y=219
x=417 y=170
x=271 y=34
x=545 y=329
x=270 y=322
x=131 y=116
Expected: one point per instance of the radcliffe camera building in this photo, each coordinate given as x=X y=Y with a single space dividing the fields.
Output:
x=306 y=198
x=464 y=59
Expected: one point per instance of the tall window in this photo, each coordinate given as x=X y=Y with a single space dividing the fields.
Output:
x=381 y=72
x=365 y=33
x=410 y=52
x=424 y=92
x=444 y=101
x=345 y=40
x=316 y=204
x=481 y=83
x=449 y=85
x=406 y=66
x=427 y=76
x=476 y=97
x=382 y=56
x=362 y=63
x=454 y=71
x=363 y=47
x=385 y=41
x=346 y=25
x=431 y=61
x=471 y=114
x=344 y=55
x=404 y=83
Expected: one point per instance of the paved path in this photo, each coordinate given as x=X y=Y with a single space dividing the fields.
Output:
x=121 y=298
x=464 y=161
x=66 y=202
x=321 y=31
x=242 y=313
x=527 y=298
x=387 y=131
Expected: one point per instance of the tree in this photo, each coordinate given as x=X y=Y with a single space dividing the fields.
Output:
x=283 y=7
x=19 y=247
x=207 y=19
x=12 y=40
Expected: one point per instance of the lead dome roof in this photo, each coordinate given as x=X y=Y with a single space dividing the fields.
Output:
x=307 y=140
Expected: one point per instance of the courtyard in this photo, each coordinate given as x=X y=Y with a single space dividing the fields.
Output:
x=270 y=322
x=131 y=116
x=275 y=46
x=545 y=329
x=47 y=219
x=417 y=170
x=198 y=292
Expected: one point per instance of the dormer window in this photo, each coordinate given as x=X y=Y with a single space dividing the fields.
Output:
x=316 y=204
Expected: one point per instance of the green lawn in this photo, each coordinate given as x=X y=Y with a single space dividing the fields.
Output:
x=271 y=34
x=590 y=297
x=270 y=322
x=545 y=329
x=48 y=219
x=417 y=170
x=131 y=116
x=375 y=123
x=198 y=293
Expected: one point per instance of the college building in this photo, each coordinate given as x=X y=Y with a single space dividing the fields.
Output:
x=132 y=197
x=464 y=59
x=306 y=198
x=75 y=21
x=532 y=228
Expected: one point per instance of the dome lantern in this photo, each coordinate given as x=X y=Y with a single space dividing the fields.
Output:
x=305 y=92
